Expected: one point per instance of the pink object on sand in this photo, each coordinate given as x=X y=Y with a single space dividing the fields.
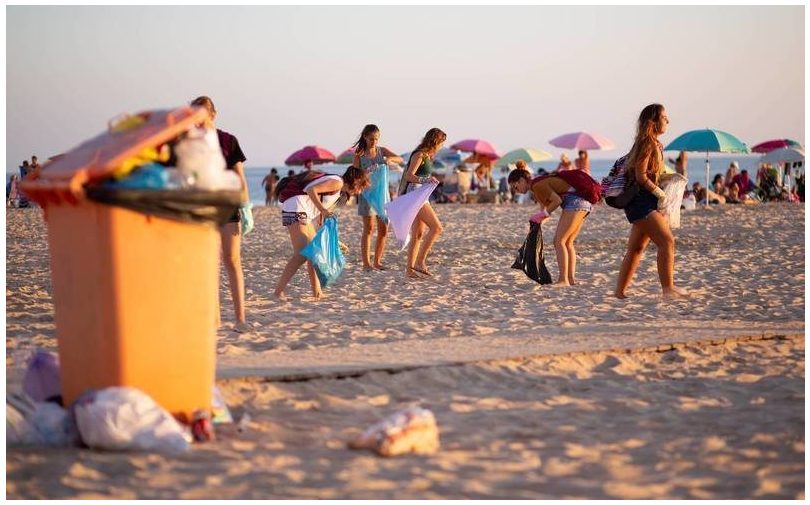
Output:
x=314 y=154
x=582 y=140
x=477 y=146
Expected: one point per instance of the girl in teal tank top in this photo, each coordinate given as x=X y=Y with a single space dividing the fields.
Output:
x=369 y=155
x=426 y=227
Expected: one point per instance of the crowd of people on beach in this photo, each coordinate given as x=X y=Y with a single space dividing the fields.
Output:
x=317 y=195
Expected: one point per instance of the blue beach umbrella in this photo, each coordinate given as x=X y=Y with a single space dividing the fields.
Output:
x=708 y=141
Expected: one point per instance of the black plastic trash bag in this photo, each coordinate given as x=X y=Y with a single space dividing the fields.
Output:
x=187 y=205
x=530 y=256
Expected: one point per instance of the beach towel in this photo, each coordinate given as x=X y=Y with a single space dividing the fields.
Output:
x=403 y=209
x=530 y=256
x=673 y=185
x=377 y=193
x=324 y=252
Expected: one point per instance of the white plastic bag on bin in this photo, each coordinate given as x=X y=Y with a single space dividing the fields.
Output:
x=125 y=418
x=200 y=160
x=674 y=186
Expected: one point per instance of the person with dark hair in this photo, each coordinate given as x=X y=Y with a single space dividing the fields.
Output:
x=582 y=162
x=645 y=162
x=368 y=156
x=314 y=200
x=419 y=172
x=231 y=232
x=552 y=192
x=269 y=185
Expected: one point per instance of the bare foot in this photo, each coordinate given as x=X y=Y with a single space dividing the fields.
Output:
x=675 y=293
x=423 y=270
x=572 y=282
x=279 y=295
x=411 y=274
x=318 y=296
x=560 y=284
x=620 y=295
x=241 y=327
x=378 y=266
x=368 y=268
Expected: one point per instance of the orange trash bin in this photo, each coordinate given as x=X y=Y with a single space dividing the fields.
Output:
x=135 y=295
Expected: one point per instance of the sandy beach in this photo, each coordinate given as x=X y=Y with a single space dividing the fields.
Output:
x=538 y=392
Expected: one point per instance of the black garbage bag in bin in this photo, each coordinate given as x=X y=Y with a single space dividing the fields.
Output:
x=187 y=205
x=530 y=256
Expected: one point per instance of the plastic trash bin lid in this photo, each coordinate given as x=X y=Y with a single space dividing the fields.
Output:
x=63 y=178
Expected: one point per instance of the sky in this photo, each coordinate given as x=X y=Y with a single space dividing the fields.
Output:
x=285 y=77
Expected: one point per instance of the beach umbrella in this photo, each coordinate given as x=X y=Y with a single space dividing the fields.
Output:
x=346 y=156
x=314 y=154
x=582 y=140
x=448 y=156
x=708 y=141
x=477 y=146
x=772 y=145
x=526 y=154
x=788 y=154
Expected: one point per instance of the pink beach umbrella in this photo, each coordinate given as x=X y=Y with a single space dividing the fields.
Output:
x=772 y=145
x=582 y=140
x=314 y=154
x=479 y=147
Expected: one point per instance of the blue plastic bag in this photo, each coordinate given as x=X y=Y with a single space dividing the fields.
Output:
x=324 y=252
x=377 y=194
x=246 y=217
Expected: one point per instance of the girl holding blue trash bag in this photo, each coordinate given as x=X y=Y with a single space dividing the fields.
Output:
x=240 y=223
x=369 y=157
x=306 y=198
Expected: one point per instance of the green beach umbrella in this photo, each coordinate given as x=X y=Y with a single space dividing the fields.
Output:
x=346 y=156
x=708 y=141
x=526 y=154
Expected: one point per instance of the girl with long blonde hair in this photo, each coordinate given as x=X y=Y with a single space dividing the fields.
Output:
x=646 y=211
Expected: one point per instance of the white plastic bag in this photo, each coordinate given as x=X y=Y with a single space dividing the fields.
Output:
x=200 y=160
x=125 y=418
x=19 y=430
x=54 y=425
x=674 y=186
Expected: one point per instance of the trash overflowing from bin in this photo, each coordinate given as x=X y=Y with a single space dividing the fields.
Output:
x=412 y=430
x=147 y=163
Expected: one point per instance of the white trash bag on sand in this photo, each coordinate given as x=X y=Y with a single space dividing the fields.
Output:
x=412 y=430
x=125 y=418
x=674 y=186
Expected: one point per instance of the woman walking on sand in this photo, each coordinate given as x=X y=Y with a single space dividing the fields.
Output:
x=645 y=163
x=368 y=157
x=420 y=171
x=552 y=192
x=314 y=195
